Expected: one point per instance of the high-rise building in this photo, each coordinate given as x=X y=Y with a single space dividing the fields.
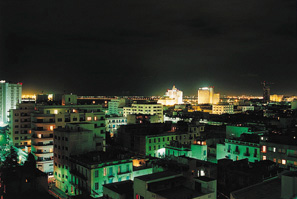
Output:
x=48 y=117
x=206 y=95
x=20 y=126
x=172 y=97
x=10 y=95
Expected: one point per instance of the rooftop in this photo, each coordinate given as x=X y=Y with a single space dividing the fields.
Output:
x=159 y=175
x=121 y=187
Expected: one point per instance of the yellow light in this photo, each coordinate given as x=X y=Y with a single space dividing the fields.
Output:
x=284 y=161
x=89 y=118
x=51 y=128
x=95 y=118
x=264 y=157
x=55 y=111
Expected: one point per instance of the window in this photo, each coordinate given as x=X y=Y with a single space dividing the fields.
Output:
x=284 y=161
x=96 y=186
x=264 y=149
x=104 y=172
x=89 y=118
x=96 y=174
x=264 y=157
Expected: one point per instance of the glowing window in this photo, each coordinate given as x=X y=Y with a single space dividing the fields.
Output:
x=274 y=159
x=55 y=111
x=284 y=161
x=264 y=149
x=264 y=157
x=104 y=172
x=274 y=149
x=89 y=118
x=39 y=135
x=95 y=118
x=51 y=128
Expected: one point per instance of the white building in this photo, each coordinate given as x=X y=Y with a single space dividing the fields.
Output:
x=150 y=109
x=222 y=109
x=10 y=95
x=206 y=95
x=113 y=123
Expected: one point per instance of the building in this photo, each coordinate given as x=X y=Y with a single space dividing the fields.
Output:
x=142 y=119
x=74 y=139
x=172 y=97
x=276 y=98
x=283 y=186
x=115 y=107
x=238 y=149
x=151 y=139
x=206 y=95
x=46 y=118
x=170 y=185
x=281 y=150
x=266 y=92
x=118 y=190
x=19 y=133
x=113 y=124
x=149 y=108
x=10 y=95
x=220 y=109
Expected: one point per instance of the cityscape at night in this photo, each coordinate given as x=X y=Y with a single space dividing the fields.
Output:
x=149 y=99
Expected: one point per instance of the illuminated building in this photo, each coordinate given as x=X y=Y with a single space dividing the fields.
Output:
x=20 y=126
x=151 y=139
x=151 y=109
x=48 y=117
x=281 y=150
x=87 y=172
x=172 y=97
x=113 y=123
x=206 y=95
x=168 y=185
x=74 y=139
x=276 y=98
x=294 y=105
x=10 y=95
x=222 y=109
x=237 y=150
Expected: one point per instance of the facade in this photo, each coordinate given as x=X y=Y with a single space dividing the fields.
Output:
x=276 y=98
x=237 y=150
x=113 y=124
x=74 y=139
x=142 y=119
x=170 y=185
x=247 y=108
x=151 y=109
x=90 y=171
x=206 y=95
x=115 y=107
x=48 y=117
x=10 y=95
x=20 y=126
x=222 y=109
x=285 y=155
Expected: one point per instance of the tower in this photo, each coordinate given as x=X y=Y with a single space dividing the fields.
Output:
x=266 y=92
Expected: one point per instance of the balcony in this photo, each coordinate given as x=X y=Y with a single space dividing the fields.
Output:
x=123 y=173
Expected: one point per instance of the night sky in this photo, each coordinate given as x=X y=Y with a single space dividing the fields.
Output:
x=136 y=47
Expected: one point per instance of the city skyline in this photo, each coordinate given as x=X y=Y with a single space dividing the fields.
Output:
x=142 y=48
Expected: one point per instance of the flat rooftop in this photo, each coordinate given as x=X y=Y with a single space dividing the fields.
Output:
x=268 y=189
x=179 y=192
x=156 y=176
x=124 y=187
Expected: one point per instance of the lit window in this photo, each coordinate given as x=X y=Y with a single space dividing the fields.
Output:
x=95 y=118
x=89 y=118
x=104 y=172
x=264 y=157
x=39 y=135
x=274 y=159
x=55 y=111
x=284 y=161
x=274 y=149
x=264 y=149
x=51 y=128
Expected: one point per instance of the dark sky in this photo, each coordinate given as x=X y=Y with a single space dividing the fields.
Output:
x=136 y=47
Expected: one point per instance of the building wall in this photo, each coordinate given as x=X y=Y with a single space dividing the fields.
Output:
x=20 y=126
x=10 y=95
x=222 y=109
x=151 y=109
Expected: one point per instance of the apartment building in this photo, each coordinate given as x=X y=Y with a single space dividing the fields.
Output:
x=150 y=109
